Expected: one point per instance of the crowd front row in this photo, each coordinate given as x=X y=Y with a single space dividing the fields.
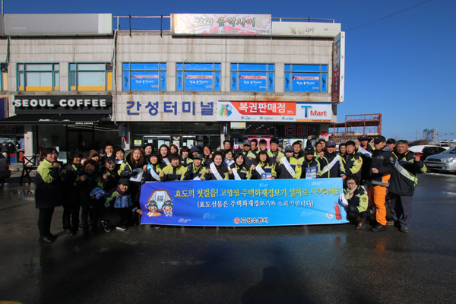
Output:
x=105 y=189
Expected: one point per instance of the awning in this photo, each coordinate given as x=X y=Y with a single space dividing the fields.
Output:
x=56 y=119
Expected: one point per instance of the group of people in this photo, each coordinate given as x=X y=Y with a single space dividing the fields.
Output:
x=105 y=188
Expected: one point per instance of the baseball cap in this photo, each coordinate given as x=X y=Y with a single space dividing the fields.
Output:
x=309 y=150
x=379 y=139
x=331 y=143
x=288 y=149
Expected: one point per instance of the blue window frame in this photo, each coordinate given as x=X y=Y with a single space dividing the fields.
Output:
x=256 y=77
x=198 y=76
x=146 y=76
x=306 y=77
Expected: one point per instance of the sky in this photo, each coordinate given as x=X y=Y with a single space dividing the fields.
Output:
x=399 y=66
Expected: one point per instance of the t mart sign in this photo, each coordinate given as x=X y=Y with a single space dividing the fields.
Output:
x=311 y=111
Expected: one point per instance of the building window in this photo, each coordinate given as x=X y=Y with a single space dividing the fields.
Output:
x=306 y=77
x=144 y=76
x=38 y=77
x=252 y=77
x=198 y=76
x=90 y=77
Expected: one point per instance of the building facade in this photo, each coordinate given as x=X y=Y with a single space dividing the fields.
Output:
x=179 y=86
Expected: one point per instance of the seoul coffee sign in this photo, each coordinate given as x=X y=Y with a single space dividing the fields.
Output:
x=75 y=104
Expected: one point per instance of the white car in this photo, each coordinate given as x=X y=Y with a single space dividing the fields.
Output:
x=424 y=151
x=445 y=161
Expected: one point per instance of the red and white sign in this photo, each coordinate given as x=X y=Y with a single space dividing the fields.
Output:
x=274 y=111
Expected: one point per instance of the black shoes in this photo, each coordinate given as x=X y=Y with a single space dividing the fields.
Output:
x=403 y=229
x=378 y=228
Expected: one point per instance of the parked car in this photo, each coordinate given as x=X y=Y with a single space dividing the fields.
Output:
x=424 y=151
x=4 y=170
x=445 y=161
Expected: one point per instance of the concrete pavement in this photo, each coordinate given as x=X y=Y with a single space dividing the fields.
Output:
x=300 y=264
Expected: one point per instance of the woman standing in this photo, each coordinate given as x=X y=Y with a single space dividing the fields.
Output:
x=238 y=171
x=164 y=155
x=207 y=156
x=217 y=170
x=48 y=192
x=262 y=165
x=134 y=169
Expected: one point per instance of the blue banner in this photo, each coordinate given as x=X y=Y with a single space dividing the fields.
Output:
x=243 y=202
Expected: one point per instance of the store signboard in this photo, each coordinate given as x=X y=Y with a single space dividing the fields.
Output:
x=179 y=108
x=306 y=29
x=274 y=111
x=338 y=69
x=221 y=24
x=58 y=104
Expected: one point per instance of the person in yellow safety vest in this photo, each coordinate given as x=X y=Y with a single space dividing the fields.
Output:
x=402 y=184
x=295 y=165
x=174 y=171
x=355 y=201
x=185 y=159
x=238 y=170
x=274 y=152
x=330 y=162
x=318 y=149
x=310 y=161
x=352 y=160
x=195 y=170
x=342 y=149
x=250 y=156
x=262 y=164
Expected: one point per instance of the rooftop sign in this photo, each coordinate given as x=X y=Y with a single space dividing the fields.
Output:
x=221 y=24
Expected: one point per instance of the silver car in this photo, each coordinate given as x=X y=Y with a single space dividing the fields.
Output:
x=445 y=161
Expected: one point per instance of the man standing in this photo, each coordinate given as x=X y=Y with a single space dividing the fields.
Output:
x=352 y=160
x=378 y=180
x=330 y=162
x=391 y=143
x=249 y=155
x=402 y=184
x=274 y=150
x=254 y=146
x=297 y=150
x=226 y=145
x=365 y=150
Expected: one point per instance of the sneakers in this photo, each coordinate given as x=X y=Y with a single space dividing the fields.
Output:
x=360 y=224
x=47 y=239
x=106 y=226
x=69 y=232
x=378 y=228
x=403 y=229
x=121 y=228
x=390 y=223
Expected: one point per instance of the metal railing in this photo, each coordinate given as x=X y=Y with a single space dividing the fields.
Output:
x=161 y=17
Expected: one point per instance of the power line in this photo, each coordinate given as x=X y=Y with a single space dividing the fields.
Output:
x=396 y=13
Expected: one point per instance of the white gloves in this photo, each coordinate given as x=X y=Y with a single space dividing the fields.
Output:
x=343 y=200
